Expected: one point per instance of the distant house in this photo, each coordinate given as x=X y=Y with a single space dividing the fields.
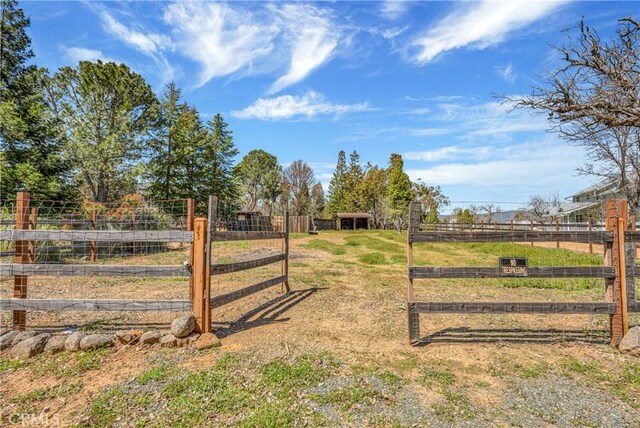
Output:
x=586 y=203
x=353 y=221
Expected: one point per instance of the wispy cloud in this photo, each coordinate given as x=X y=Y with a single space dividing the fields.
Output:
x=77 y=54
x=540 y=162
x=223 y=40
x=313 y=37
x=506 y=72
x=289 y=106
x=153 y=45
x=394 y=9
x=449 y=153
x=479 y=25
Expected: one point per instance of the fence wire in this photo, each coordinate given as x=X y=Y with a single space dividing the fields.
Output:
x=84 y=270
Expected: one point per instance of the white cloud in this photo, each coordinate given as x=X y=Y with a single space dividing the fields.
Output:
x=150 y=44
x=449 y=153
x=506 y=72
x=147 y=43
x=543 y=162
x=288 y=106
x=222 y=39
x=77 y=54
x=479 y=25
x=314 y=40
x=392 y=33
x=394 y=9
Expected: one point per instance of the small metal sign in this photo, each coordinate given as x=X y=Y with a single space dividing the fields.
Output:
x=514 y=266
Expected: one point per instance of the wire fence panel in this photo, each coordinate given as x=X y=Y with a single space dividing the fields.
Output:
x=87 y=264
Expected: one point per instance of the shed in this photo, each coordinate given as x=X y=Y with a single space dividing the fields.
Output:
x=353 y=221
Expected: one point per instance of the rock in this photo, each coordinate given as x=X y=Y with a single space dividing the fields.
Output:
x=55 y=344
x=168 y=341
x=127 y=337
x=183 y=326
x=4 y=331
x=73 y=341
x=30 y=347
x=186 y=341
x=206 y=341
x=150 y=337
x=96 y=341
x=7 y=339
x=630 y=343
x=23 y=335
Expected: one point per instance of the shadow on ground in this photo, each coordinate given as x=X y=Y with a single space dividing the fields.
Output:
x=267 y=313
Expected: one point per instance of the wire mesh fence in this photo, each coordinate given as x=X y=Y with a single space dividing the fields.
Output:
x=128 y=257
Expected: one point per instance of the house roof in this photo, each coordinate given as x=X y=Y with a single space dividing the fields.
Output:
x=570 y=207
x=354 y=215
x=608 y=185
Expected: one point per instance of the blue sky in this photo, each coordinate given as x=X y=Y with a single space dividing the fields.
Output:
x=305 y=80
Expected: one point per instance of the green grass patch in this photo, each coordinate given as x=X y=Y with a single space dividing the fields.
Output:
x=323 y=245
x=281 y=377
x=373 y=259
x=456 y=405
x=430 y=376
x=373 y=243
x=347 y=397
x=8 y=365
x=154 y=374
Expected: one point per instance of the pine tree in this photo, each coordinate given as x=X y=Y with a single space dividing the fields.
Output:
x=218 y=153
x=353 y=198
x=105 y=112
x=336 y=202
x=30 y=156
x=399 y=192
x=166 y=147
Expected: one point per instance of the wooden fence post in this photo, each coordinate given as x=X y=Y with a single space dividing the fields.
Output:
x=622 y=269
x=23 y=201
x=200 y=303
x=94 y=225
x=284 y=267
x=413 y=318
x=590 y=230
x=616 y=209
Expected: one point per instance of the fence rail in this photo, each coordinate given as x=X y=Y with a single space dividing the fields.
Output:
x=618 y=272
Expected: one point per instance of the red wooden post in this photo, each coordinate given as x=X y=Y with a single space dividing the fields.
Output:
x=200 y=303
x=94 y=225
x=22 y=257
x=616 y=209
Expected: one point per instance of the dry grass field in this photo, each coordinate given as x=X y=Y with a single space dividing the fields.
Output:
x=335 y=351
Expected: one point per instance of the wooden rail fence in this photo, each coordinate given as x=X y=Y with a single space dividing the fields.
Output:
x=201 y=234
x=618 y=272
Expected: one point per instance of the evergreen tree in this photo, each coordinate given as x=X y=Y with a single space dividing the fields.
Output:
x=336 y=202
x=167 y=148
x=104 y=112
x=218 y=156
x=374 y=189
x=399 y=192
x=29 y=150
x=259 y=176
x=353 y=198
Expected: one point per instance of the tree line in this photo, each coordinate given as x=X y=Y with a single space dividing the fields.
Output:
x=98 y=131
